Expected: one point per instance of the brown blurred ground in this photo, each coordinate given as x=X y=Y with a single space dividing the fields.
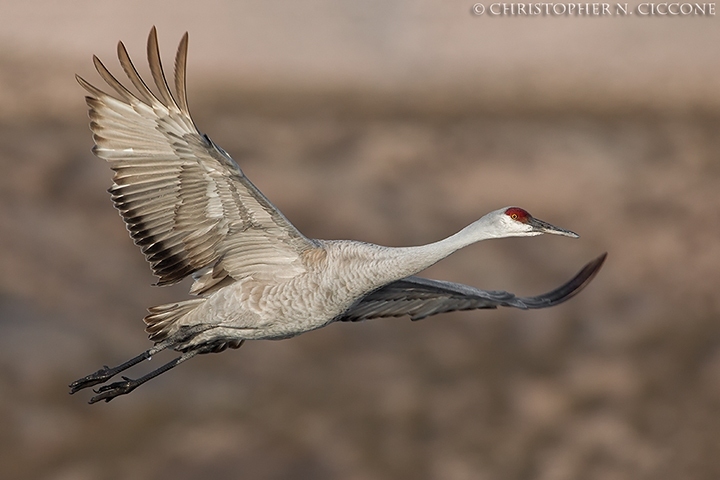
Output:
x=396 y=124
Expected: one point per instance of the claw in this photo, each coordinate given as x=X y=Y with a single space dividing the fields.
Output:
x=102 y=375
x=106 y=373
x=108 y=392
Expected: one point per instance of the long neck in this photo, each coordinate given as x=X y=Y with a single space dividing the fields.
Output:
x=411 y=260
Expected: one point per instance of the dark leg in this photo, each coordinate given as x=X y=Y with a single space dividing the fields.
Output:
x=108 y=392
x=106 y=373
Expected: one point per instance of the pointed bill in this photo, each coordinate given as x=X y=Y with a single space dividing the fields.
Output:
x=544 y=227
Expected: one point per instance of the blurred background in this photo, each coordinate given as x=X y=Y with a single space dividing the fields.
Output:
x=396 y=123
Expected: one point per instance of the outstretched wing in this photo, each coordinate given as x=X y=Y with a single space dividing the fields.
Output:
x=422 y=297
x=185 y=201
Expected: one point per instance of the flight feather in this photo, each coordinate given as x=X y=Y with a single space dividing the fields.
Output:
x=185 y=201
x=421 y=297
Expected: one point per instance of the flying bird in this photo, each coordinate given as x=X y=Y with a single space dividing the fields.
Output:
x=193 y=212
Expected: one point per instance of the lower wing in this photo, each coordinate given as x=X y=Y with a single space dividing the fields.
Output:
x=421 y=297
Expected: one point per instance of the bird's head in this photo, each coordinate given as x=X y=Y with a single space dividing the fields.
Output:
x=516 y=222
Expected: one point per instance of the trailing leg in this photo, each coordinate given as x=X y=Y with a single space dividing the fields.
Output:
x=106 y=373
x=108 y=392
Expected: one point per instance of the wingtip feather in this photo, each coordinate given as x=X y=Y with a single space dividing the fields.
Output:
x=156 y=69
x=569 y=289
x=134 y=76
x=181 y=74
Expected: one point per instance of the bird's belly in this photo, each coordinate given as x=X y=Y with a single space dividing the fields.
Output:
x=276 y=311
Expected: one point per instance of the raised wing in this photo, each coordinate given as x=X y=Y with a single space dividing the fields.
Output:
x=185 y=201
x=422 y=297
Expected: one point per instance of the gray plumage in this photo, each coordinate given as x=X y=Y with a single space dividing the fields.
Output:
x=193 y=212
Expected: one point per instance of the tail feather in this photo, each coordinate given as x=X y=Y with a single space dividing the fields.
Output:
x=162 y=318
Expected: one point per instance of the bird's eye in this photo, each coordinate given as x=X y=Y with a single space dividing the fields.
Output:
x=517 y=214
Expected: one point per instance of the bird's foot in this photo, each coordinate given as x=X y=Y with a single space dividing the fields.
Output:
x=106 y=373
x=101 y=376
x=108 y=392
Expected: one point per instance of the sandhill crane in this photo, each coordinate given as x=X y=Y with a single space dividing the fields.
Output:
x=192 y=211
